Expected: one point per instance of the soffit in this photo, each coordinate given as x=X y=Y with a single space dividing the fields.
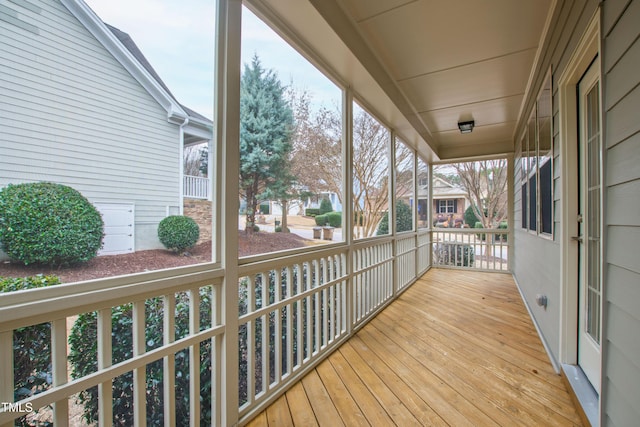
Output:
x=438 y=62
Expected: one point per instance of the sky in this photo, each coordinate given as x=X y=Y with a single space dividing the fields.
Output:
x=177 y=38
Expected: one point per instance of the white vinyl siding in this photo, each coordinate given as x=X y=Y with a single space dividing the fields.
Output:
x=621 y=370
x=70 y=113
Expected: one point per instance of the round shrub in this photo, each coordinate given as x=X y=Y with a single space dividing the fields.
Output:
x=178 y=232
x=334 y=219
x=278 y=229
x=321 y=220
x=47 y=223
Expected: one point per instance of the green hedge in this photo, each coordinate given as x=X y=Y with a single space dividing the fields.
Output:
x=312 y=212
x=334 y=219
x=47 y=223
x=321 y=220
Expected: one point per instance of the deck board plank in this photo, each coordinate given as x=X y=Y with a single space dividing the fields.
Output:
x=457 y=348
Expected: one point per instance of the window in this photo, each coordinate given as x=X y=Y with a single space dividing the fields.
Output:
x=371 y=148
x=536 y=163
x=447 y=206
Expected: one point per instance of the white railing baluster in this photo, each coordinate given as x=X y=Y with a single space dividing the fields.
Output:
x=266 y=336
x=289 y=321
x=194 y=358
x=325 y=306
x=105 y=392
x=169 y=361
x=59 y=369
x=139 y=374
x=6 y=369
x=317 y=313
x=457 y=248
x=278 y=327
x=196 y=187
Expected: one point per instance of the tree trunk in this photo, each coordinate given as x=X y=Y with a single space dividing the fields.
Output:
x=285 y=208
x=252 y=205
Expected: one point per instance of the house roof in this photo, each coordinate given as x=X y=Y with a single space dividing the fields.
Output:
x=125 y=51
x=133 y=48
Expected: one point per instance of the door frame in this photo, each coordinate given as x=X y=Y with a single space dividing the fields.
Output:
x=588 y=48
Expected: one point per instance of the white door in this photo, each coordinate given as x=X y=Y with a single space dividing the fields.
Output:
x=118 y=228
x=590 y=226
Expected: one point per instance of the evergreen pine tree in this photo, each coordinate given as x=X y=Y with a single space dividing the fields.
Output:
x=266 y=123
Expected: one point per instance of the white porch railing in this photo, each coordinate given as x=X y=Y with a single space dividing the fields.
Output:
x=294 y=309
x=197 y=187
x=471 y=248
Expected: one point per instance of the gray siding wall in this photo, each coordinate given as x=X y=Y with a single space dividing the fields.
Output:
x=537 y=258
x=621 y=68
x=70 y=113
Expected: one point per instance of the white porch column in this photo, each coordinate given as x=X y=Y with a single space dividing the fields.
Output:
x=225 y=231
x=347 y=199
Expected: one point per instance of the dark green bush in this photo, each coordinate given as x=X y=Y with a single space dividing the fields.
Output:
x=334 y=219
x=83 y=360
x=278 y=229
x=312 y=212
x=264 y=209
x=46 y=223
x=325 y=206
x=31 y=345
x=404 y=219
x=321 y=220
x=178 y=232
x=454 y=254
x=470 y=216
x=256 y=228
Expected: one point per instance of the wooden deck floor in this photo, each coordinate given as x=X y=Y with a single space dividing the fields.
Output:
x=457 y=348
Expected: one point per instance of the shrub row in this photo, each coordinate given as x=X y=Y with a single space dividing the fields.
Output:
x=334 y=219
x=312 y=212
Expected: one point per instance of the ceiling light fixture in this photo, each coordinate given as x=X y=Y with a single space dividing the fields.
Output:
x=466 y=127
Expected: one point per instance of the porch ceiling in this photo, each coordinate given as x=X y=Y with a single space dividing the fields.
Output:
x=437 y=62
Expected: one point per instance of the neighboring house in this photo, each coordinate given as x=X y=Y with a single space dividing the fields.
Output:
x=80 y=105
x=448 y=200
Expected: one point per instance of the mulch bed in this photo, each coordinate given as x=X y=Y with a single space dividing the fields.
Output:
x=115 y=265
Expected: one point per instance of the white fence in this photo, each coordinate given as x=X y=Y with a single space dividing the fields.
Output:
x=473 y=249
x=118 y=314
x=293 y=310
x=197 y=187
